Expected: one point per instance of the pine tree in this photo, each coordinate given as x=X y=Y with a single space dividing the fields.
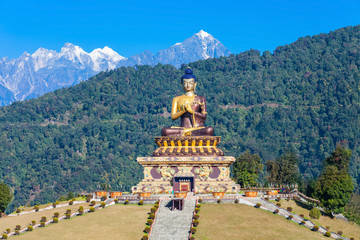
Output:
x=5 y=196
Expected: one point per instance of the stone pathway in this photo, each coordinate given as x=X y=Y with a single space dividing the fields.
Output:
x=174 y=225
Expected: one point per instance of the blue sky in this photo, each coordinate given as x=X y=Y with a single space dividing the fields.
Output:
x=130 y=27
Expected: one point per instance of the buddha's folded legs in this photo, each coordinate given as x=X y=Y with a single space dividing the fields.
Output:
x=166 y=131
x=206 y=131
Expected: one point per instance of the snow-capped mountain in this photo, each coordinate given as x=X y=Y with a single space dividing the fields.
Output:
x=200 y=46
x=46 y=70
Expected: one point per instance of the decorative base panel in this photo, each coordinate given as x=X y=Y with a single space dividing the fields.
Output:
x=200 y=174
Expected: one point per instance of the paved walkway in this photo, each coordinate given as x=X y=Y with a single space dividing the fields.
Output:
x=174 y=225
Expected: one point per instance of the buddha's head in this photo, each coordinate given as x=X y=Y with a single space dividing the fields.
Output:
x=188 y=81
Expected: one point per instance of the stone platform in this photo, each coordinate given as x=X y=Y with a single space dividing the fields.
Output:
x=186 y=163
x=209 y=174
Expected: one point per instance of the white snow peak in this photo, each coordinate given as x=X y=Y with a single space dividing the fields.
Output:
x=203 y=34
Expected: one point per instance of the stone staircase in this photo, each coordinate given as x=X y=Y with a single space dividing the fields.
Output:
x=174 y=225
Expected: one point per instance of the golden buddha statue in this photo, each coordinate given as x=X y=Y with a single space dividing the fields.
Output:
x=191 y=109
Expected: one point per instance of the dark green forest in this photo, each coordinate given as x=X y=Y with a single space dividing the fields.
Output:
x=304 y=96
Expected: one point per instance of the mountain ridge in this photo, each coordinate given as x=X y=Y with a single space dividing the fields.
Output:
x=45 y=70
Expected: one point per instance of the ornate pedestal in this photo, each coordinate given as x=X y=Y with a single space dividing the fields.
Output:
x=188 y=163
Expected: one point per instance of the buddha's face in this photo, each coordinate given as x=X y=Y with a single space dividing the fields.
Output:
x=189 y=85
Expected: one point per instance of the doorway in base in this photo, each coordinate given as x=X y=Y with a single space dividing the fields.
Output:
x=184 y=184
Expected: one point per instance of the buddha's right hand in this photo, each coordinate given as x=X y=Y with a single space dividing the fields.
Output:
x=189 y=108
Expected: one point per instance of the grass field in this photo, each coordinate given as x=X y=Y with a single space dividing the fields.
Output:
x=349 y=229
x=25 y=219
x=124 y=222
x=237 y=221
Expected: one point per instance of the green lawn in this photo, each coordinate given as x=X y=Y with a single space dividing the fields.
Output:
x=238 y=221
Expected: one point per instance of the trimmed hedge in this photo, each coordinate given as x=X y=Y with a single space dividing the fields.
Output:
x=315 y=213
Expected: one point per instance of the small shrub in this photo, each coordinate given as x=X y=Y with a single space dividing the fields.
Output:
x=54 y=205
x=156 y=206
x=153 y=210
x=315 y=228
x=68 y=216
x=18 y=210
x=278 y=199
x=4 y=236
x=116 y=201
x=258 y=205
x=278 y=204
x=92 y=209
x=197 y=210
x=315 y=213
x=288 y=199
x=145 y=237
x=340 y=233
x=157 y=202
x=42 y=224
x=276 y=211
x=30 y=228
x=198 y=205
x=103 y=198
x=196 y=216
x=200 y=200
x=68 y=211
x=290 y=217
x=126 y=202
x=150 y=222
x=193 y=230
x=71 y=202
x=218 y=201
x=103 y=204
x=8 y=230
x=93 y=203
x=18 y=227
x=147 y=229
x=88 y=197
x=152 y=216
x=55 y=220
x=37 y=208
x=141 y=202
x=17 y=232
x=33 y=222
x=236 y=201
x=196 y=223
x=43 y=219
x=81 y=208
x=289 y=209
x=302 y=222
x=302 y=215
x=327 y=234
x=56 y=214
x=267 y=198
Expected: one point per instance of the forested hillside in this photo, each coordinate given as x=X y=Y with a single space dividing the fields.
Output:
x=304 y=96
